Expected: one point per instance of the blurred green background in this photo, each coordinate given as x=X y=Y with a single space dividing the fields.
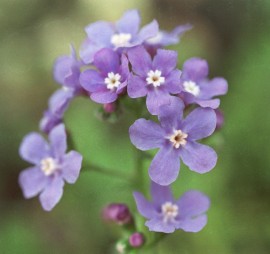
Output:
x=233 y=35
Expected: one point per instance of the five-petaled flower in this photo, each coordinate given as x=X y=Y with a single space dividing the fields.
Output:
x=122 y=34
x=155 y=79
x=197 y=88
x=176 y=137
x=52 y=166
x=110 y=80
x=165 y=214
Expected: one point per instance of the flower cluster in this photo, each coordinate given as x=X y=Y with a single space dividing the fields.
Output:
x=120 y=60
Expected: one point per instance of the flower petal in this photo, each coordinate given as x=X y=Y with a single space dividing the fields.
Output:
x=157 y=225
x=59 y=101
x=34 y=148
x=200 y=123
x=156 y=98
x=199 y=158
x=92 y=81
x=214 y=104
x=100 y=32
x=161 y=194
x=173 y=83
x=146 y=134
x=52 y=193
x=71 y=166
x=32 y=181
x=195 y=69
x=193 y=225
x=104 y=96
x=145 y=208
x=88 y=50
x=165 y=61
x=140 y=61
x=170 y=116
x=129 y=22
x=136 y=87
x=214 y=87
x=165 y=166
x=148 y=31
x=107 y=60
x=193 y=203
x=58 y=140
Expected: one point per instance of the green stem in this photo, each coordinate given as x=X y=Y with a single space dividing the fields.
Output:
x=108 y=172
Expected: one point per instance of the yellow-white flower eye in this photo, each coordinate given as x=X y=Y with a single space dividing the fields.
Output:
x=155 y=78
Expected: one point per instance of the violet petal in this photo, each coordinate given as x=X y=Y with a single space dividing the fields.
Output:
x=72 y=163
x=199 y=158
x=32 y=181
x=52 y=193
x=200 y=123
x=34 y=148
x=165 y=166
x=146 y=134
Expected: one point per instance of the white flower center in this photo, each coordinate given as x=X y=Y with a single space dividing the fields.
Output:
x=156 y=39
x=191 y=87
x=113 y=80
x=48 y=166
x=178 y=138
x=155 y=78
x=121 y=40
x=169 y=211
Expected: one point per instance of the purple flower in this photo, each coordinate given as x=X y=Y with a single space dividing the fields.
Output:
x=165 y=214
x=122 y=34
x=52 y=166
x=155 y=79
x=58 y=104
x=110 y=80
x=164 y=38
x=176 y=138
x=66 y=71
x=197 y=88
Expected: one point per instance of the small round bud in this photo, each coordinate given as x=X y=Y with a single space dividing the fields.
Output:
x=109 y=107
x=136 y=240
x=118 y=213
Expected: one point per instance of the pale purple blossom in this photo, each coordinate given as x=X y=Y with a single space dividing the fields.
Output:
x=197 y=88
x=109 y=80
x=165 y=214
x=176 y=138
x=165 y=38
x=58 y=104
x=52 y=166
x=66 y=71
x=124 y=33
x=156 y=79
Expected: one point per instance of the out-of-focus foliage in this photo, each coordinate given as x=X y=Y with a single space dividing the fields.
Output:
x=232 y=35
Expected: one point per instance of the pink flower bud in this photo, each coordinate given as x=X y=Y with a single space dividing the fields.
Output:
x=109 y=107
x=136 y=240
x=118 y=213
x=220 y=119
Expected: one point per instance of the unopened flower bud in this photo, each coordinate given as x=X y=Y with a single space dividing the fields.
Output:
x=220 y=119
x=136 y=240
x=118 y=213
x=109 y=107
